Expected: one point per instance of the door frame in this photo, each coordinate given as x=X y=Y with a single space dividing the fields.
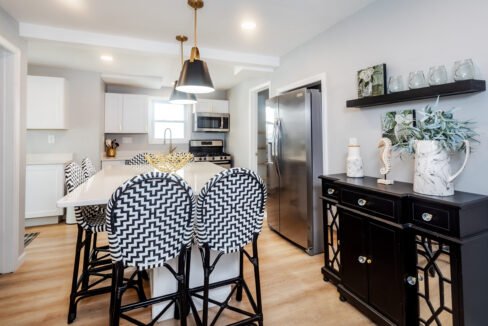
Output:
x=253 y=127
x=11 y=244
x=322 y=77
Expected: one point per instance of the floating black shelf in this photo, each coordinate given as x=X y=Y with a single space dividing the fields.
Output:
x=456 y=88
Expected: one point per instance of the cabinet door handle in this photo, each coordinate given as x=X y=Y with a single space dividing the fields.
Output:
x=330 y=191
x=411 y=280
x=361 y=259
x=369 y=261
x=362 y=202
x=427 y=217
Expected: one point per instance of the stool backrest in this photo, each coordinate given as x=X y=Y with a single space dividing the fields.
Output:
x=150 y=219
x=74 y=177
x=87 y=167
x=230 y=210
x=139 y=159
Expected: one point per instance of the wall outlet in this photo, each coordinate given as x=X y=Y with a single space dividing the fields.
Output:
x=126 y=140
x=51 y=139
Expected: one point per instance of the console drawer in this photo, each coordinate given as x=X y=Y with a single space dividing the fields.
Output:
x=371 y=204
x=330 y=190
x=433 y=217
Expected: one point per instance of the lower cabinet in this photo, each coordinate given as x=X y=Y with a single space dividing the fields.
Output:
x=403 y=258
x=370 y=257
x=44 y=187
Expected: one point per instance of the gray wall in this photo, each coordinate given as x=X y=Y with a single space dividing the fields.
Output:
x=9 y=30
x=407 y=36
x=140 y=141
x=85 y=116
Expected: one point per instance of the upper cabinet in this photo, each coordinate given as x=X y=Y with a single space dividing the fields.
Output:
x=126 y=113
x=46 y=103
x=212 y=106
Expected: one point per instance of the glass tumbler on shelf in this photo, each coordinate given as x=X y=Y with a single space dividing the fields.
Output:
x=464 y=69
x=395 y=84
x=417 y=80
x=437 y=75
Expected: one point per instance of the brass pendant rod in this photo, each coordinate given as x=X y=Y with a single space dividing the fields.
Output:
x=195 y=28
x=181 y=53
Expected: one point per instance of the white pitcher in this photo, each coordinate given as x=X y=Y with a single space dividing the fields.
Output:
x=432 y=168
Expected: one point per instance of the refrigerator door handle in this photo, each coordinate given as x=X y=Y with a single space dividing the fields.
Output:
x=275 y=148
x=277 y=145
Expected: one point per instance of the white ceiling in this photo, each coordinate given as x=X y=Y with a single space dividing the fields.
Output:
x=281 y=26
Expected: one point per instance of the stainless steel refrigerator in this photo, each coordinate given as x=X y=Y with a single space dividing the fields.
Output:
x=294 y=162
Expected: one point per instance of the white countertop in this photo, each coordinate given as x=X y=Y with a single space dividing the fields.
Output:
x=99 y=188
x=48 y=158
x=125 y=155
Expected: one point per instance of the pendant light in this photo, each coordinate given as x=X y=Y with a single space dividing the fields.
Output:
x=178 y=97
x=194 y=77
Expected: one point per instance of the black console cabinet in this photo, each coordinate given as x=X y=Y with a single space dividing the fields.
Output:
x=403 y=258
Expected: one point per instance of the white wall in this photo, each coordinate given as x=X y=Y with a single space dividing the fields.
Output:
x=9 y=30
x=238 y=139
x=407 y=36
x=84 y=136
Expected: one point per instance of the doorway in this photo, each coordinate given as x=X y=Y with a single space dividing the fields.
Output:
x=261 y=144
x=11 y=216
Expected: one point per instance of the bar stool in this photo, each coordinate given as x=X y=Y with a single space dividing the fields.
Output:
x=90 y=220
x=139 y=159
x=150 y=221
x=230 y=212
x=87 y=167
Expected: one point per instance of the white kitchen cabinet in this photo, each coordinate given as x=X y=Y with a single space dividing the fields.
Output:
x=213 y=106
x=125 y=113
x=46 y=103
x=44 y=187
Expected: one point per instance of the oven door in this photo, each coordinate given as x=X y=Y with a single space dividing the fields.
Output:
x=211 y=122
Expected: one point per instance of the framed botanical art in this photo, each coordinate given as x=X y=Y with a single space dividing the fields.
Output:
x=372 y=81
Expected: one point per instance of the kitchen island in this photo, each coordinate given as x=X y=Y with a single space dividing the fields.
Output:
x=99 y=188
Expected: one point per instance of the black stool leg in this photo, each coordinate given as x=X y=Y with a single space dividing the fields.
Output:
x=86 y=260
x=74 y=283
x=257 y=279
x=181 y=306
x=116 y=296
x=241 y=276
x=140 y=286
x=206 y=281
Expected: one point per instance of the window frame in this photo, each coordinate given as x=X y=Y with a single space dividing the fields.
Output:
x=188 y=109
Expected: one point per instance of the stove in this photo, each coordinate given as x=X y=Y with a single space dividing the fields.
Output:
x=211 y=150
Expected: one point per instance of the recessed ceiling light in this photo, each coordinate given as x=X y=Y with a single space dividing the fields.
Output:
x=248 y=25
x=107 y=58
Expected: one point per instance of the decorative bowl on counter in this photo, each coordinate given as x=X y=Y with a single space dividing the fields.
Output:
x=169 y=163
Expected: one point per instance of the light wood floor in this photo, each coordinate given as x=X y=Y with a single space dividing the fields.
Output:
x=293 y=290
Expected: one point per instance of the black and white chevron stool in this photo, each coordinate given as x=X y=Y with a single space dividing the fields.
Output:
x=150 y=220
x=87 y=167
x=96 y=263
x=230 y=212
x=139 y=159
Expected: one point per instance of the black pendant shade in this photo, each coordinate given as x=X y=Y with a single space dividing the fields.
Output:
x=178 y=97
x=195 y=78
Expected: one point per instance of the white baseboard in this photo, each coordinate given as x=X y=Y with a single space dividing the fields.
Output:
x=37 y=221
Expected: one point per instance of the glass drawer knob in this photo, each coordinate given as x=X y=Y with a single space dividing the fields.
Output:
x=362 y=202
x=361 y=259
x=411 y=280
x=330 y=191
x=427 y=217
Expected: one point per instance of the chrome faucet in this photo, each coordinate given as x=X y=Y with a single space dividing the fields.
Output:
x=171 y=149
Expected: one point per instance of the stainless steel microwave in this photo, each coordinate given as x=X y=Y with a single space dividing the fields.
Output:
x=211 y=122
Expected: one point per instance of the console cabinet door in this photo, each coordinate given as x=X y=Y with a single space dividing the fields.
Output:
x=354 y=272
x=385 y=284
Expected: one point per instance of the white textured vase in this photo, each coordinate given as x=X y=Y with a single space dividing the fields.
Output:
x=354 y=165
x=433 y=170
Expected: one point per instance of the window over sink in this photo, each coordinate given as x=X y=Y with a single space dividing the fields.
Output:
x=163 y=115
